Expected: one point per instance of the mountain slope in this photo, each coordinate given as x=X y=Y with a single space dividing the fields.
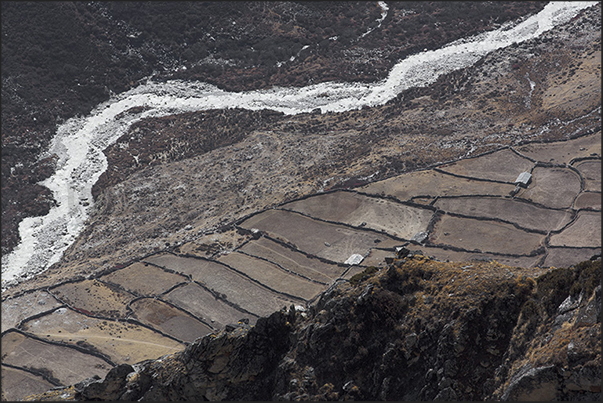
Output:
x=416 y=330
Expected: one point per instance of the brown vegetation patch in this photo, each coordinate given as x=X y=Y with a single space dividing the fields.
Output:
x=272 y=276
x=503 y=165
x=485 y=236
x=94 y=297
x=159 y=315
x=575 y=88
x=552 y=187
x=312 y=236
x=524 y=214
x=230 y=285
x=588 y=200
x=17 y=383
x=448 y=255
x=16 y=309
x=292 y=260
x=379 y=214
x=562 y=152
x=62 y=364
x=591 y=172
x=431 y=183
x=584 y=232
x=122 y=342
x=144 y=279
x=205 y=305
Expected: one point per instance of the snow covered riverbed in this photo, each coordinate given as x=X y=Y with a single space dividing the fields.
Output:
x=79 y=141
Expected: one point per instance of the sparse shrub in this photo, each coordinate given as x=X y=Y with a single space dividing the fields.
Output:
x=360 y=277
x=589 y=277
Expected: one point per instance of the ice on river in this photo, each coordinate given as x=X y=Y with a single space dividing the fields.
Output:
x=79 y=141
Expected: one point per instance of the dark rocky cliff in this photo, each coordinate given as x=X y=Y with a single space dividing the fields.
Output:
x=415 y=330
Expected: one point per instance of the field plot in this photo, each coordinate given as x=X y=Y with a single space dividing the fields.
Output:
x=168 y=319
x=485 y=236
x=16 y=309
x=432 y=183
x=588 y=200
x=524 y=214
x=231 y=285
x=95 y=297
x=552 y=187
x=204 y=305
x=379 y=214
x=63 y=364
x=446 y=255
x=562 y=152
x=144 y=279
x=591 y=172
x=272 y=276
x=377 y=257
x=16 y=384
x=503 y=165
x=353 y=271
x=121 y=342
x=329 y=241
x=292 y=260
x=584 y=232
x=565 y=257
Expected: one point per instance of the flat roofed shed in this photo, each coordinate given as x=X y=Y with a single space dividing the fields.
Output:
x=523 y=179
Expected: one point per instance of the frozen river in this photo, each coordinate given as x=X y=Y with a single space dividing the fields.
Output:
x=79 y=142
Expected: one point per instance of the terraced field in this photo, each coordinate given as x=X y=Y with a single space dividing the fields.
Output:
x=288 y=255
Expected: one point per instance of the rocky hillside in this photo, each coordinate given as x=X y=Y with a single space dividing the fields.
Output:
x=415 y=330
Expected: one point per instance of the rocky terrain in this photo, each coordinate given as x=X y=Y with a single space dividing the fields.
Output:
x=207 y=222
x=417 y=330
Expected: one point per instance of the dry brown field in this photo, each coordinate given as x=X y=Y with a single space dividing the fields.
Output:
x=120 y=342
x=25 y=306
x=486 y=236
x=503 y=166
x=204 y=305
x=591 y=172
x=17 y=383
x=433 y=183
x=94 y=297
x=552 y=187
x=64 y=364
x=590 y=200
x=584 y=232
x=523 y=214
x=565 y=257
x=563 y=152
x=272 y=276
x=295 y=261
x=168 y=319
x=396 y=219
x=232 y=286
x=329 y=241
x=156 y=280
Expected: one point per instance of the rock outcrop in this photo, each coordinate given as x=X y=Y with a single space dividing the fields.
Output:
x=415 y=330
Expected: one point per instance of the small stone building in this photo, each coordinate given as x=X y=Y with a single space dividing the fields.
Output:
x=523 y=179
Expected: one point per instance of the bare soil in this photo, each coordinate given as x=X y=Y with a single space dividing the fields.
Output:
x=503 y=166
x=552 y=187
x=360 y=211
x=172 y=321
x=66 y=365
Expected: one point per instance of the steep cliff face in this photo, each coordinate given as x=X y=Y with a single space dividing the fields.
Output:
x=415 y=330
